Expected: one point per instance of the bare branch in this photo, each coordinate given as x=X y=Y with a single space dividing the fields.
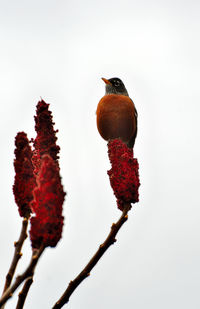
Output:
x=96 y=257
x=17 y=254
x=23 y=294
x=19 y=279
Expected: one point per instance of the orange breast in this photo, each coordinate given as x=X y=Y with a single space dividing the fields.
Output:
x=116 y=117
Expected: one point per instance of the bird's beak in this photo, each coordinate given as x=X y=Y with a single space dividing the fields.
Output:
x=106 y=81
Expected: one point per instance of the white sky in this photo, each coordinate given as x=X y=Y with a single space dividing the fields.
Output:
x=59 y=50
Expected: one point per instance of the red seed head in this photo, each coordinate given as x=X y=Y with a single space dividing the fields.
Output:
x=124 y=176
x=24 y=177
x=46 y=225
x=45 y=142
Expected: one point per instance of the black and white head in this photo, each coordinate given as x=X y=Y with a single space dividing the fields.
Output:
x=115 y=86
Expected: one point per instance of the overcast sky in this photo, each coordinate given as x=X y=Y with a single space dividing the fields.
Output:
x=59 y=50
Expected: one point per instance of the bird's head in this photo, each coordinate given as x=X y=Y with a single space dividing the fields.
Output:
x=115 y=86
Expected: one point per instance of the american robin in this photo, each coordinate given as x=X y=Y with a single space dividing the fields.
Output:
x=116 y=113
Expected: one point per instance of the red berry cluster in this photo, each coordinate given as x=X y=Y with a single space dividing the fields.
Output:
x=46 y=225
x=124 y=176
x=24 y=176
x=37 y=186
x=45 y=141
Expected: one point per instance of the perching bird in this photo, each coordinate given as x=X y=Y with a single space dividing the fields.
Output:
x=116 y=113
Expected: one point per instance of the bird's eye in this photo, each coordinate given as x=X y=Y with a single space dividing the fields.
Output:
x=117 y=83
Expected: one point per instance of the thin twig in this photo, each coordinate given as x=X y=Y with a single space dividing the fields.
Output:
x=23 y=294
x=96 y=257
x=17 y=254
x=19 y=279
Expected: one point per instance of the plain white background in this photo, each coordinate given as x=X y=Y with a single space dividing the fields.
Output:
x=59 y=50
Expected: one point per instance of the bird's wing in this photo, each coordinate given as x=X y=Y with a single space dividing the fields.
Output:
x=132 y=140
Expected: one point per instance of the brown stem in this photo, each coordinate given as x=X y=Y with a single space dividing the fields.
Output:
x=23 y=294
x=96 y=257
x=19 y=279
x=17 y=254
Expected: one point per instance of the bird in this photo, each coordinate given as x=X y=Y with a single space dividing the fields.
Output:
x=116 y=114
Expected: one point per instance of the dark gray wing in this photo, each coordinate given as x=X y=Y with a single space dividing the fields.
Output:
x=131 y=143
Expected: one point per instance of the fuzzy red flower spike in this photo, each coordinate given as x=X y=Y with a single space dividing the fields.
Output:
x=124 y=176
x=45 y=142
x=46 y=225
x=24 y=176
